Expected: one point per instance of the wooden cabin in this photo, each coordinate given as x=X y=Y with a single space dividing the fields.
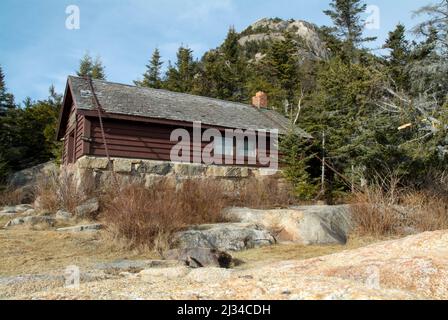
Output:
x=138 y=122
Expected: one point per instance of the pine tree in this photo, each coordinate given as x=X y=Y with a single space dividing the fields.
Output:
x=231 y=69
x=152 y=76
x=348 y=24
x=435 y=26
x=296 y=160
x=278 y=73
x=6 y=99
x=90 y=68
x=342 y=105
x=208 y=79
x=85 y=66
x=399 y=56
x=28 y=134
x=98 y=70
x=180 y=77
x=429 y=72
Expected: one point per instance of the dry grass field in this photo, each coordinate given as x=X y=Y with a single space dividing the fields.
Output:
x=27 y=251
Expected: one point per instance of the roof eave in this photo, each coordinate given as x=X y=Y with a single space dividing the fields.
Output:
x=68 y=90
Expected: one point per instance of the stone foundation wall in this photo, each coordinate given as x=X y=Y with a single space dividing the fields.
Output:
x=149 y=172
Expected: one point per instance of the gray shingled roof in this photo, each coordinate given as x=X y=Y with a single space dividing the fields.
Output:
x=123 y=99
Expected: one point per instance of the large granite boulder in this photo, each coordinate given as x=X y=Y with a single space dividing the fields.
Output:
x=88 y=209
x=224 y=236
x=306 y=225
x=25 y=181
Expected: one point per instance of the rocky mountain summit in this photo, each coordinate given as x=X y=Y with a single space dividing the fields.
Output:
x=261 y=33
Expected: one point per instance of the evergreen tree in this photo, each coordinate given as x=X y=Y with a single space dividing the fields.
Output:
x=6 y=99
x=85 y=66
x=296 y=158
x=180 y=77
x=230 y=68
x=152 y=76
x=429 y=72
x=348 y=24
x=342 y=106
x=278 y=73
x=399 y=56
x=28 y=134
x=90 y=68
x=208 y=81
x=222 y=72
x=98 y=70
x=435 y=26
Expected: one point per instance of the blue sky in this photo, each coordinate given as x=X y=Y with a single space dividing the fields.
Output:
x=37 y=50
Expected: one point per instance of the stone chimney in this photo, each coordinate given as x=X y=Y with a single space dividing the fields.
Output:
x=260 y=100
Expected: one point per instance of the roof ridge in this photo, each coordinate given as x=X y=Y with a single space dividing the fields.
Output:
x=165 y=90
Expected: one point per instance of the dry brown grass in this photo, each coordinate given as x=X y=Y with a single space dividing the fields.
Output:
x=26 y=251
x=10 y=197
x=264 y=193
x=386 y=209
x=60 y=190
x=146 y=217
x=284 y=252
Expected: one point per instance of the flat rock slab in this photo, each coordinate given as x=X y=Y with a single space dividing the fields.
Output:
x=164 y=273
x=224 y=237
x=306 y=225
x=31 y=220
x=82 y=228
x=138 y=264
x=12 y=210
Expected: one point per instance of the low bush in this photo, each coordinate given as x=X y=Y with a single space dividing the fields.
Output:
x=10 y=197
x=264 y=193
x=60 y=190
x=147 y=217
x=384 y=208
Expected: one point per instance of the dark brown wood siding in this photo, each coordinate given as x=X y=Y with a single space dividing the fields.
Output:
x=73 y=139
x=131 y=139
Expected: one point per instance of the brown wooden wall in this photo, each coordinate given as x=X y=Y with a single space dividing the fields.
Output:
x=75 y=131
x=128 y=139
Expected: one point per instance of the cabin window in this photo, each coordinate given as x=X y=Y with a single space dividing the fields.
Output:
x=248 y=149
x=224 y=146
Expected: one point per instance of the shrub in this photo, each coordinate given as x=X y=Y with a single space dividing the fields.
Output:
x=147 y=217
x=264 y=193
x=384 y=208
x=60 y=190
x=9 y=197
